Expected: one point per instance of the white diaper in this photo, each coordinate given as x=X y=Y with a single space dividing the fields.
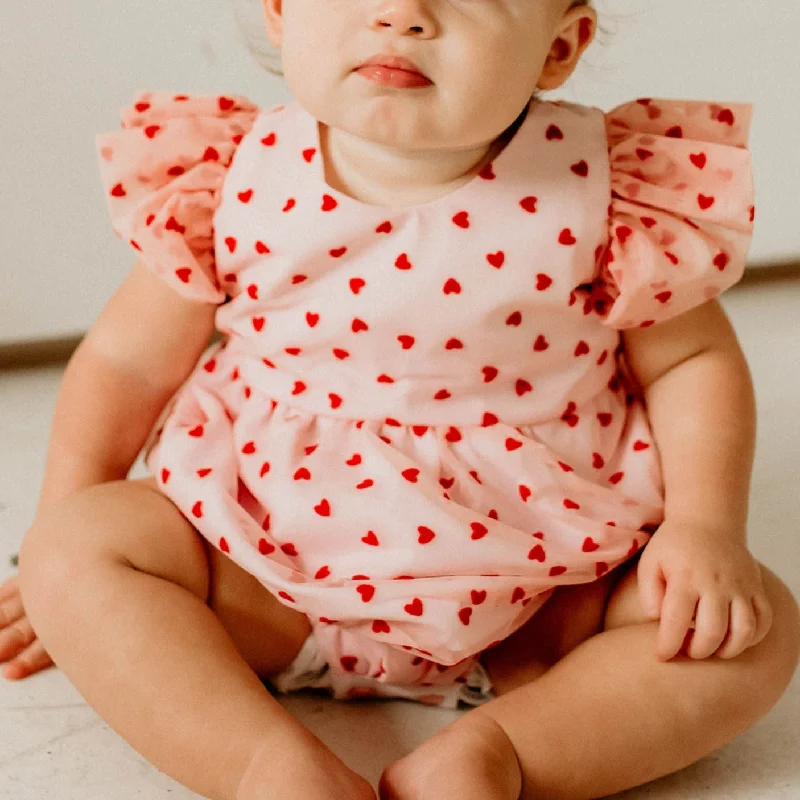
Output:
x=310 y=670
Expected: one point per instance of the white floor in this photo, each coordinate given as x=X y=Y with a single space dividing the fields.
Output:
x=52 y=745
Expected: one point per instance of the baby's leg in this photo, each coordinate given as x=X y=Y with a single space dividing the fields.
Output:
x=116 y=582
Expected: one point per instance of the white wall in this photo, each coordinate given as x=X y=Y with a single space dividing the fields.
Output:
x=67 y=68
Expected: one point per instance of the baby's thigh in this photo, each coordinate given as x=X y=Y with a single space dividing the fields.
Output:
x=267 y=633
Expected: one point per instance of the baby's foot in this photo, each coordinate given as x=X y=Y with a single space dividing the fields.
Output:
x=470 y=759
x=302 y=767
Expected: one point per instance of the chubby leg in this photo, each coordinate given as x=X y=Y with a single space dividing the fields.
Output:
x=609 y=715
x=120 y=587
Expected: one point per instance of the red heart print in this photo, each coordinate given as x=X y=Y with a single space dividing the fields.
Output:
x=414 y=608
x=197 y=431
x=566 y=237
x=568 y=503
x=582 y=349
x=371 y=539
x=477 y=597
x=589 y=545
x=365 y=484
x=258 y=323
x=380 y=626
x=322 y=572
x=478 y=530
x=543 y=282
x=402 y=262
x=323 y=509
x=183 y=273
x=264 y=547
x=529 y=204
x=581 y=169
x=442 y=394
x=698 y=159
x=512 y=444
x=554 y=133
x=151 y=130
x=453 y=435
x=598 y=462
x=461 y=219
x=487 y=173
x=616 y=477
x=489 y=419
x=165 y=473
x=604 y=418
x=411 y=474
x=524 y=492
x=269 y=140
x=357 y=284
x=663 y=297
x=223 y=545
x=354 y=460
x=523 y=387
x=464 y=614
x=385 y=379
x=308 y=154
x=425 y=534
x=359 y=325
x=289 y=549
x=721 y=261
x=517 y=594
x=312 y=319
x=290 y=204
x=338 y=252
x=452 y=286
x=537 y=554
x=328 y=202
x=349 y=663
x=406 y=341
x=540 y=344
x=366 y=591
x=514 y=319
x=705 y=202
x=556 y=571
x=447 y=483
x=249 y=448
x=726 y=116
x=384 y=227
x=252 y=291
x=245 y=197
x=197 y=509
x=623 y=232
x=336 y=401
x=454 y=344
x=211 y=154
x=496 y=259
x=489 y=374
x=299 y=387
x=640 y=445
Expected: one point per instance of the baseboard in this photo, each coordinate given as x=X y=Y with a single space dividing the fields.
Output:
x=43 y=352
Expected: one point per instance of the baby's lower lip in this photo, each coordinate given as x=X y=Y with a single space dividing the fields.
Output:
x=396 y=78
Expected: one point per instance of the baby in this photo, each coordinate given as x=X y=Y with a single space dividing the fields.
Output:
x=477 y=433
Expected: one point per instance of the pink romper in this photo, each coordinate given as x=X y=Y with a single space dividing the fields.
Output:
x=420 y=421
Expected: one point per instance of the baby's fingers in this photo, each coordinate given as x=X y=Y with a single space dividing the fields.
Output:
x=9 y=588
x=742 y=631
x=31 y=660
x=676 y=618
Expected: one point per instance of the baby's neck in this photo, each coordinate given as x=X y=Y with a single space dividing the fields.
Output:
x=372 y=175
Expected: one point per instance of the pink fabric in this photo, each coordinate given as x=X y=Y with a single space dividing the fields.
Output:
x=421 y=422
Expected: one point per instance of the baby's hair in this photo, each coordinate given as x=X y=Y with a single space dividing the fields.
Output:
x=252 y=27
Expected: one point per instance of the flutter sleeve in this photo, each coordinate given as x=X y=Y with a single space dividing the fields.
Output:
x=162 y=174
x=682 y=208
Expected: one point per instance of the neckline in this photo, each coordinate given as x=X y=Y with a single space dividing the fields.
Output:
x=505 y=155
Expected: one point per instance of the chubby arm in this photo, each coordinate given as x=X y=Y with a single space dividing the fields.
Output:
x=701 y=403
x=139 y=351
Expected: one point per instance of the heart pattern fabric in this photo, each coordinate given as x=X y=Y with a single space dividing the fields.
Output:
x=419 y=422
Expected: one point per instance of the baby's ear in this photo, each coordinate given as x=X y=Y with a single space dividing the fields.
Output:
x=574 y=34
x=273 y=18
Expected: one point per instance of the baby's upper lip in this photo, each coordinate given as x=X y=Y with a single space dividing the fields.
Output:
x=393 y=62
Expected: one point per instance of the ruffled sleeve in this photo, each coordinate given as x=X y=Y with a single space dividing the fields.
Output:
x=682 y=208
x=163 y=173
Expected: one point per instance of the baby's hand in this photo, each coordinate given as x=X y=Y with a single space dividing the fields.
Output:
x=18 y=643
x=688 y=567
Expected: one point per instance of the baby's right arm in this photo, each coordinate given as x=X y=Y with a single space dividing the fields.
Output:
x=139 y=351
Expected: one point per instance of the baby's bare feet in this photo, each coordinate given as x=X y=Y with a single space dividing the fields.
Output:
x=301 y=766
x=470 y=759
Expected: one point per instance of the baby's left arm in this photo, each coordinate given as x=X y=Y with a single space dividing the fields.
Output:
x=701 y=405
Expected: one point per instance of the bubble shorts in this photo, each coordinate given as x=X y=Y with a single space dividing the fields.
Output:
x=310 y=670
